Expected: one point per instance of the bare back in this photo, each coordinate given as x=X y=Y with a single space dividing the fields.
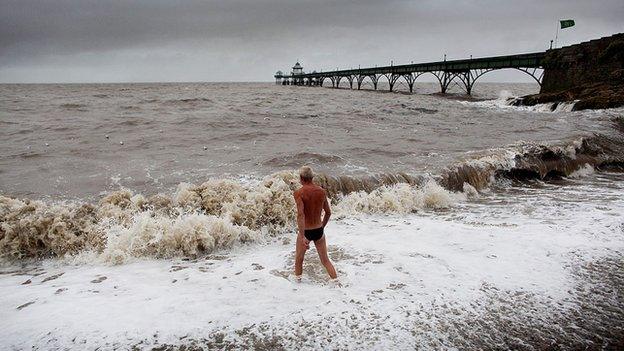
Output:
x=311 y=201
x=314 y=201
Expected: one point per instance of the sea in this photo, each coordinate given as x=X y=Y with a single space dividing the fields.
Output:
x=161 y=216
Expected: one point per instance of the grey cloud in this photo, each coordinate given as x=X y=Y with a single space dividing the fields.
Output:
x=102 y=40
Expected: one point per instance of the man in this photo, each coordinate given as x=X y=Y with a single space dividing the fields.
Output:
x=311 y=199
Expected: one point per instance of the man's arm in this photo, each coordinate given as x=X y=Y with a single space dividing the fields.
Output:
x=300 y=218
x=326 y=212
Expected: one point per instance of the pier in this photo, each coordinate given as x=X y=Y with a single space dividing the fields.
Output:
x=465 y=72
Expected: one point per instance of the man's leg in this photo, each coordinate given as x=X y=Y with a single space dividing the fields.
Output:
x=321 y=248
x=300 y=250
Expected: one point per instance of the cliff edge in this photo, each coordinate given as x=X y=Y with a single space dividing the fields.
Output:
x=590 y=73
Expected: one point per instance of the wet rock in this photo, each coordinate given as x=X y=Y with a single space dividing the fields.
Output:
x=594 y=96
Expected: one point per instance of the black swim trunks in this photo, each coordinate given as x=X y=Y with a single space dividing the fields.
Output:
x=313 y=234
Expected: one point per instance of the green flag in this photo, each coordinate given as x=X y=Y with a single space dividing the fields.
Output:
x=566 y=23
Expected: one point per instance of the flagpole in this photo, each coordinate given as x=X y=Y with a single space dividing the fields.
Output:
x=557 y=34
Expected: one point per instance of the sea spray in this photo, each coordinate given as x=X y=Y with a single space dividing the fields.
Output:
x=584 y=171
x=506 y=100
x=399 y=198
x=151 y=235
x=31 y=228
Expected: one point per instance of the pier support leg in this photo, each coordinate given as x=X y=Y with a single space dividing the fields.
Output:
x=360 y=80
x=410 y=78
x=444 y=83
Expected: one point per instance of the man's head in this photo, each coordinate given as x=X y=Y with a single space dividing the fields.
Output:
x=306 y=175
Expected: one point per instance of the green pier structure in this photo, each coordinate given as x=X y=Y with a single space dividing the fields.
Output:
x=465 y=72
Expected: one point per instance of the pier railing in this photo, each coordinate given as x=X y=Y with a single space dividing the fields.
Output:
x=465 y=71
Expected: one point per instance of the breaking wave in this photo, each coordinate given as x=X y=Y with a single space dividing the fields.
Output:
x=506 y=100
x=221 y=213
x=196 y=219
x=527 y=161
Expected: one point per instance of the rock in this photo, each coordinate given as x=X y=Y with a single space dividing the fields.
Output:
x=591 y=73
x=593 y=96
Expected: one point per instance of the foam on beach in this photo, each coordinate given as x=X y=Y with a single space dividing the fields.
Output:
x=515 y=266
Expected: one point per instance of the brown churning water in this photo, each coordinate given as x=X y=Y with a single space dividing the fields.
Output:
x=180 y=169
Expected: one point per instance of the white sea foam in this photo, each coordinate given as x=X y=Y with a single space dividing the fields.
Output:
x=413 y=280
x=197 y=219
x=506 y=99
x=582 y=172
x=164 y=237
x=470 y=191
x=221 y=213
x=399 y=198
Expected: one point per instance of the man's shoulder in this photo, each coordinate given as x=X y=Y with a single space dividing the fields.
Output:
x=319 y=190
x=318 y=187
x=310 y=189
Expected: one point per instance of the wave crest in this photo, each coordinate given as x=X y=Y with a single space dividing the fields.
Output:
x=197 y=219
x=400 y=198
x=536 y=161
x=150 y=235
x=221 y=213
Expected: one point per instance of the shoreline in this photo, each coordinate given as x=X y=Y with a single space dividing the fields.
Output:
x=521 y=275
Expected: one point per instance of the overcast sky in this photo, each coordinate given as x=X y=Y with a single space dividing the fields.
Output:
x=248 y=40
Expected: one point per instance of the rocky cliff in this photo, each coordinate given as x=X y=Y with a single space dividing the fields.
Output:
x=591 y=73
